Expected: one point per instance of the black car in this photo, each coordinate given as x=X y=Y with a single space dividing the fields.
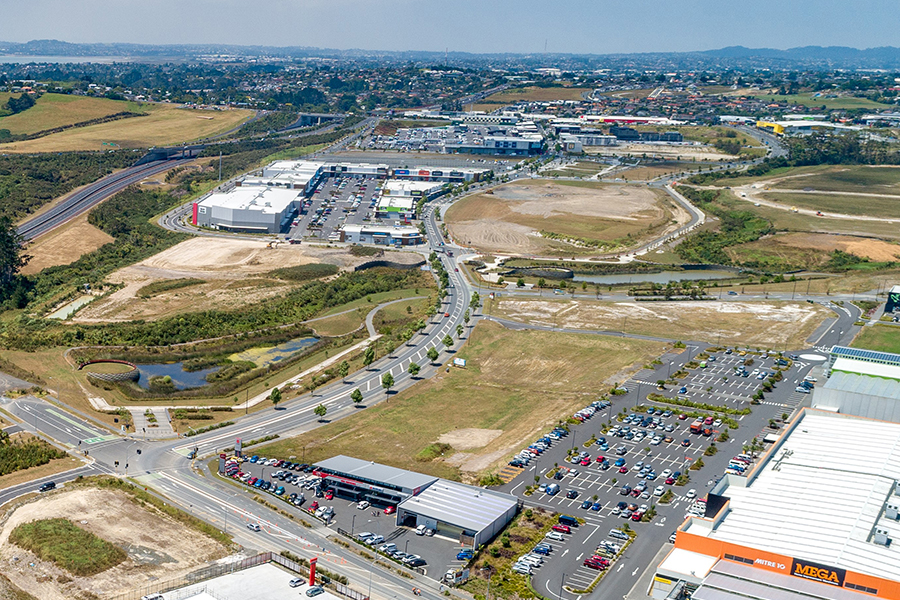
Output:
x=572 y=494
x=46 y=487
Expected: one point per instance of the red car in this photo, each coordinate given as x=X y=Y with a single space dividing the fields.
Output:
x=670 y=480
x=593 y=564
x=390 y=510
x=561 y=528
x=682 y=417
x=446 y=314
x=314 y=505
x=599 y=559
x=623 y=469
x=637 y=515
x=329 y=495
x=600 y=459
x=252 y=480
x=585 y=462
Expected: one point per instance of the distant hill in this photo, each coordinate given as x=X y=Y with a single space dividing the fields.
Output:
x=824 y=57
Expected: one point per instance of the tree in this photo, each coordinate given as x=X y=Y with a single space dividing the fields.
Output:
x=459 y=331
x=313 y=384
x=466 y=316
x=387 y=382
x=369 y=356
x=541 y=283
x=344 y=369
x=413 y=369
x=520 y=282
x=447 y=341
x=432 y=354
x=320 y=411
x=356 y=396
x=275 y=396
x=12 y=259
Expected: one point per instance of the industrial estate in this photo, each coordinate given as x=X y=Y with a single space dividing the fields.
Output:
x=282 y=324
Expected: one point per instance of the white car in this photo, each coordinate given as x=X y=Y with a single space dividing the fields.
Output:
x=659 y=491
x=665 y=474
x=420 y=530
x=692 y=493
x=363 y=505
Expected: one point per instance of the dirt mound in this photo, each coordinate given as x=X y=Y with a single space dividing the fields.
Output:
x=553 y=199
x=469 y=439
x=876 y=250
x=157 y=546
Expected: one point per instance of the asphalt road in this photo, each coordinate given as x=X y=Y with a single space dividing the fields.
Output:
x=83 y=200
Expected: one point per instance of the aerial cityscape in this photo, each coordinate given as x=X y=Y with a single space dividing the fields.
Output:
x=369 y=301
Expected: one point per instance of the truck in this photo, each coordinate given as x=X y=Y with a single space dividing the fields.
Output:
x=696 y=426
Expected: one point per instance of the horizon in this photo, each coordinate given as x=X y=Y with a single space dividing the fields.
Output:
x=525 y=27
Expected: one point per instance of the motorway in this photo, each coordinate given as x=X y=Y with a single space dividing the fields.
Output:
x=80 y=201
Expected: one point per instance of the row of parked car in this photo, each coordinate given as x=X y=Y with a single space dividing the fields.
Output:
x=739 y=464
x=807 y=385
x=588 y=411
x=390 y=549
x=523 y=458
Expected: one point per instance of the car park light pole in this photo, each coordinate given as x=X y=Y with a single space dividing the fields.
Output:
x=352 y=525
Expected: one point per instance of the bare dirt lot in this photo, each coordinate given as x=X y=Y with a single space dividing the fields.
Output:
x=582 y=217
x=763 y=324
x=65 y=245
x=234 y=270
x=157 y=546
x=701 y=153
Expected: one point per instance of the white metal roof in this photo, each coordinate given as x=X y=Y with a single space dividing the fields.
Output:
x=263 y=199
x=405 y=187
x=356 y=468
x=821 y=495
x=863 y=367
x=297 y=167
x=462 y=505
x=405 y=203
x=865 y=384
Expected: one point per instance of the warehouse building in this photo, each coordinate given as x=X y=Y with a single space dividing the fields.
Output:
x=252 y=209
x=864 y=383
x=501 y=144
x=445 y=175
x=382 y=485
x=385 y=235
x=893 y=301
x=472 y=515
x=816 y=518
x=298 y=173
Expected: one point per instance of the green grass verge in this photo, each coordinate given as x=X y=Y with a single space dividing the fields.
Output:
x=884 y=338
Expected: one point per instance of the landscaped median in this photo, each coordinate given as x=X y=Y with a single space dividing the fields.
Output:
x=495 y=560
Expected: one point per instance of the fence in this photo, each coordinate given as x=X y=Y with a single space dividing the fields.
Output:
x=217 y=570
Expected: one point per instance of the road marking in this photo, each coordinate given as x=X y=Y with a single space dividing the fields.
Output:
x=633 y=573
x=621 y=566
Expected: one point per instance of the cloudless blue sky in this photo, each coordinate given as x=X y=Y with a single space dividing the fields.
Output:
x=523 y=26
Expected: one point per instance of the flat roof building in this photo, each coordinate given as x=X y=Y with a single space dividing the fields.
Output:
x=248 y=208
x=860 y=382
x=385 y=235
x=461 y=511
x=816 y=517
x=440 y=174
x=472 y=515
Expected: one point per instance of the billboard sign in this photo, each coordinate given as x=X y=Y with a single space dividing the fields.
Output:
x=817 y=572
x=459 y=362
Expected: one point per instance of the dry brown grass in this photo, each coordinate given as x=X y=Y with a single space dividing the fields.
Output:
x=58 y=110
x=535 y=94
x=165 y=124
x=519 y=382
x=65 y=245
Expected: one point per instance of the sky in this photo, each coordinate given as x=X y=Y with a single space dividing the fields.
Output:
x=480 y=26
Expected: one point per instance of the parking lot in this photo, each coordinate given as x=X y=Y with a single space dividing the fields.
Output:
x=336 y=201
x=439 y=553
x=594 y=491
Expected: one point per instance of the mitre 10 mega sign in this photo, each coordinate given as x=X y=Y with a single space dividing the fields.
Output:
x=817 y=572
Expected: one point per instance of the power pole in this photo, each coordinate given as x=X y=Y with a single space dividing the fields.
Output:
x=220 y=166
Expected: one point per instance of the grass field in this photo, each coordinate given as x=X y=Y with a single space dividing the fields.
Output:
x=810 y=100
x=652 y=170
x=847 y=204
x=518 y=382
x=583 y=169
x=564 y=217
x=811 y=250
x=883 y=338
x=768 y=324
x=70 y=547
x=849 y=178
x=533 y=93
x=340 y=324
x=58 y=110
x=65 y=245
x=164 y=124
